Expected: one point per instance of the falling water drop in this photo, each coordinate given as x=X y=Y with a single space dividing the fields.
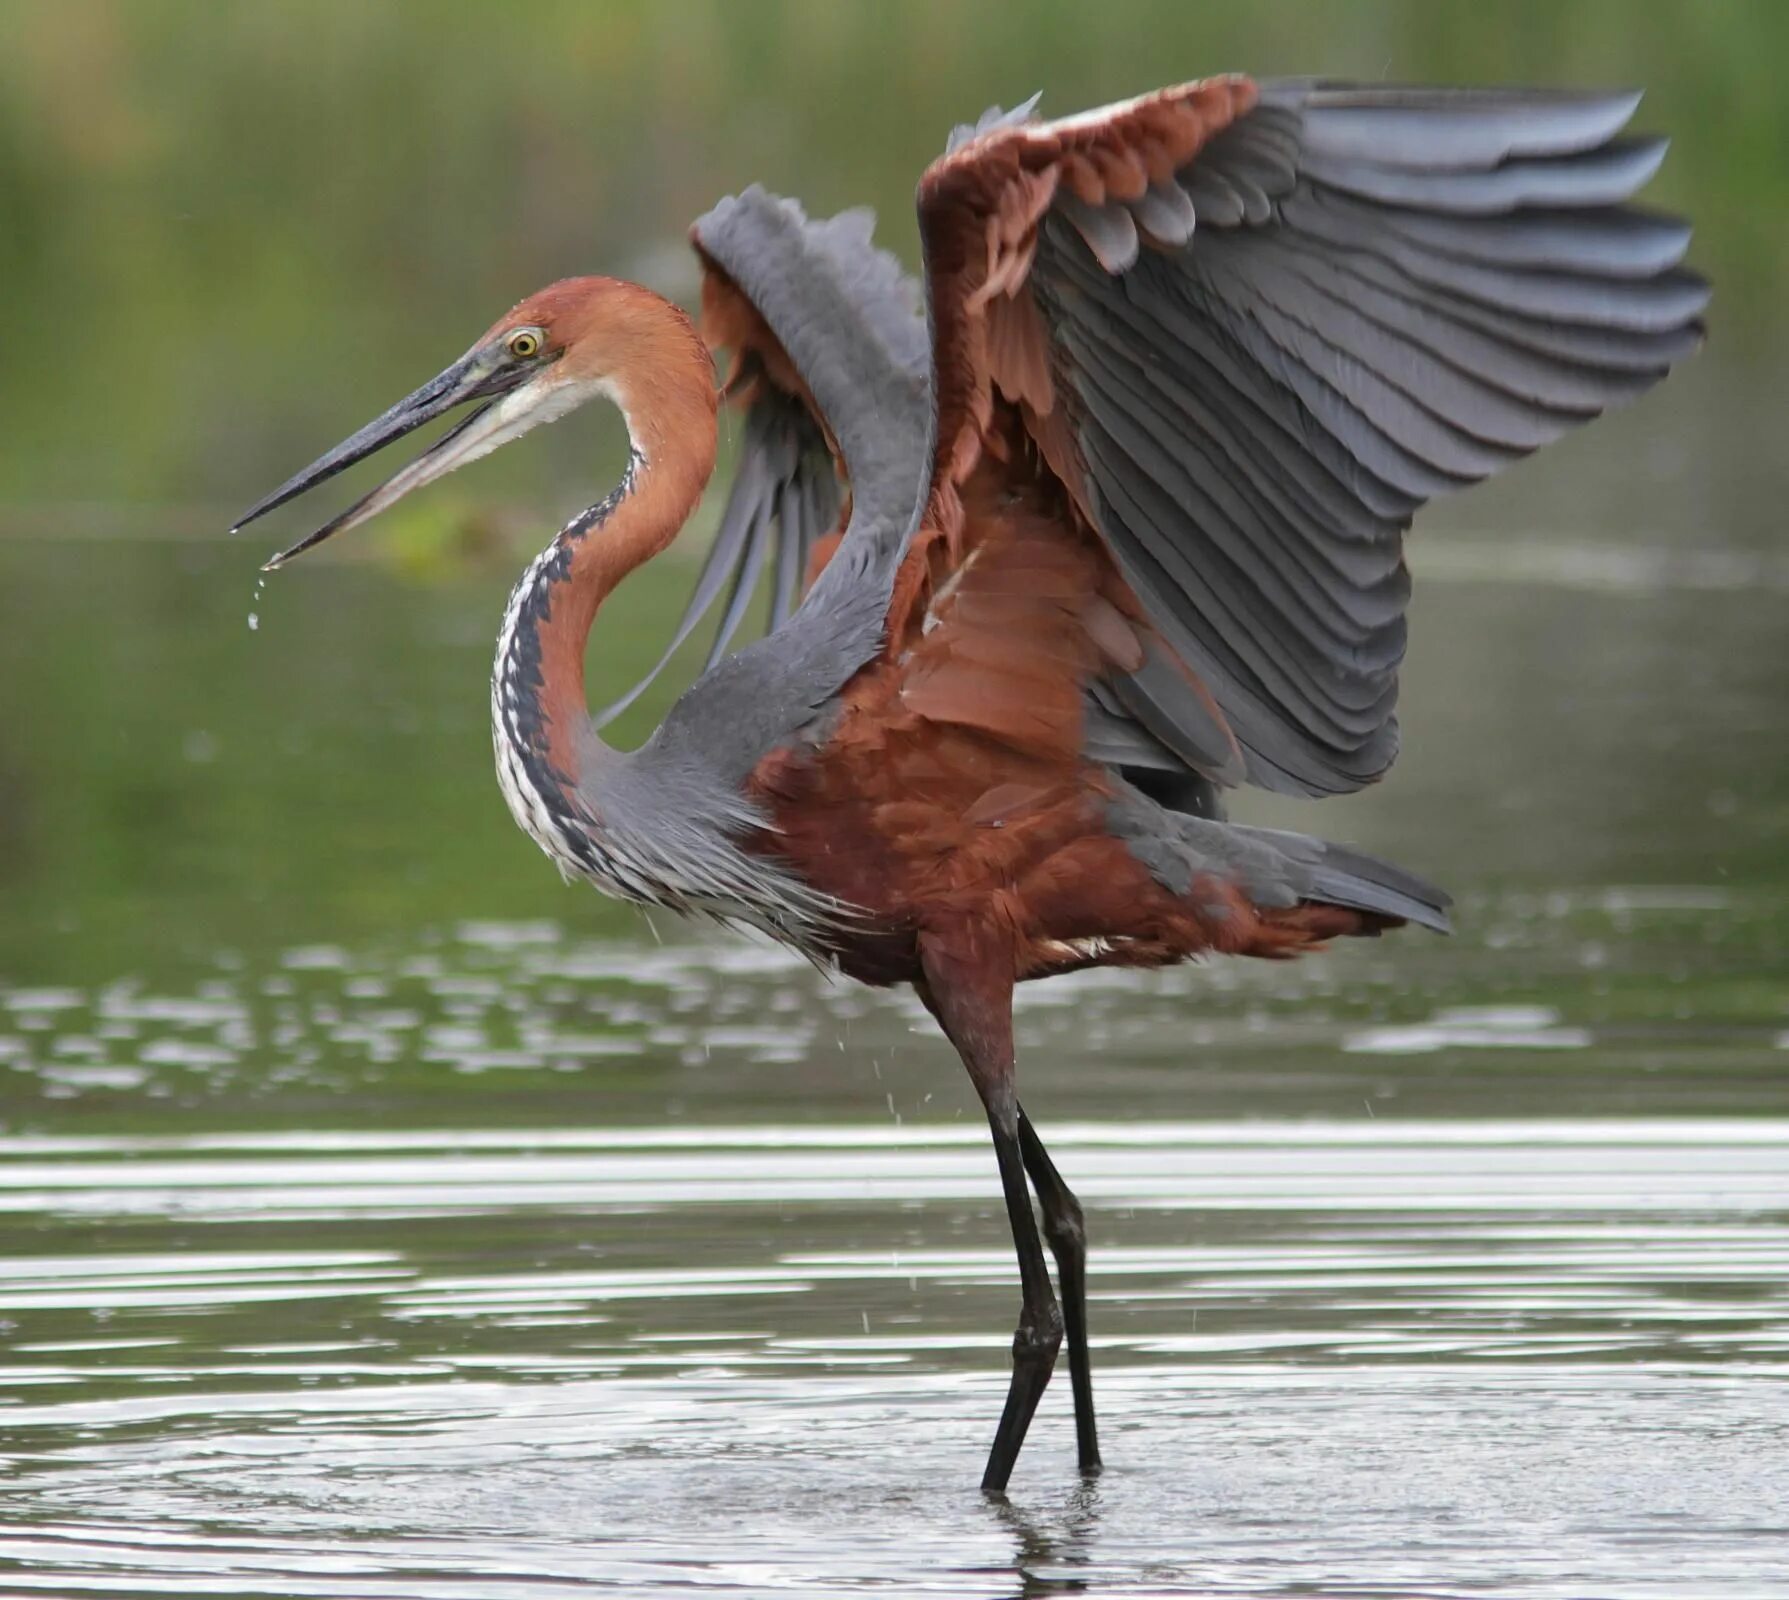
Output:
x=254 y=617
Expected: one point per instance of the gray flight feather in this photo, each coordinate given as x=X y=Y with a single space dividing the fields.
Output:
x=1389 y=294
x=994 y=117
x=1275 y=869
x=672 y=813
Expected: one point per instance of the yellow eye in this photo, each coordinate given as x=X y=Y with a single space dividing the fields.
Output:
x=523 y=343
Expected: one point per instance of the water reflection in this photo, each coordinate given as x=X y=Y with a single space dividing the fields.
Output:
x=528 y=1023
x=761 y=1358
x=1054 y=1554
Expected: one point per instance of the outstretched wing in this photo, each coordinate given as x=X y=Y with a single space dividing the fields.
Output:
x=1240 y=333
x=784 y=296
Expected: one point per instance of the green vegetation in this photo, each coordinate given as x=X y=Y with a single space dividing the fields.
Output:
x=227 y=227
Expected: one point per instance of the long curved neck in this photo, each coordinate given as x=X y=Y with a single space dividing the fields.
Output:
x=539 y=710
x=671 y=457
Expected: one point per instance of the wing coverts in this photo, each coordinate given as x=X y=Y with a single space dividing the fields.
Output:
x=1349 y=300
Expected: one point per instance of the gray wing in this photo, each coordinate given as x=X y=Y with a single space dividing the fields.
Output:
x=785 y=495
x=831 y=361
x=1279 y=319
x=835 y=324
x=828 y=362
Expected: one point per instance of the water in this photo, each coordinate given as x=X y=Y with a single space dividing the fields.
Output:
x=339 y=1288
x=1548 y=1356
x=380 y=1220
x=1537 y=1356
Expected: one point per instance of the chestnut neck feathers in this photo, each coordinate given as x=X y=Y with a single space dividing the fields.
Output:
x=626 y=343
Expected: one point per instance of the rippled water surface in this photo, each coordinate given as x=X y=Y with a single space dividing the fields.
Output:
x=748 y=1334
x=378 y=1220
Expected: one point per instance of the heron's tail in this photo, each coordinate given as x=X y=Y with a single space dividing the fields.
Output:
x=1334 y=874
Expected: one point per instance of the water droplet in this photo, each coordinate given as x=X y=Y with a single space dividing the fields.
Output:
x=254 y=621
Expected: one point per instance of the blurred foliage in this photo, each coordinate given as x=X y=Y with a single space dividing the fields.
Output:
x=232 y=226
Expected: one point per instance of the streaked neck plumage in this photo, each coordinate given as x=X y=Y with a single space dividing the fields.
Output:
x=662 y=379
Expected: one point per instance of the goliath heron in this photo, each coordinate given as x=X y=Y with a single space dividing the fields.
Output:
x=1118 y=525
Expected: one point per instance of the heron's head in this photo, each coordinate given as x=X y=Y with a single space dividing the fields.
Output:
x=572 y=341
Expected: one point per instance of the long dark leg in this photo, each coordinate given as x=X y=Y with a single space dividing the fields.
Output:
x=1067 y=1233
x=969 y=991
x=1039 y=1334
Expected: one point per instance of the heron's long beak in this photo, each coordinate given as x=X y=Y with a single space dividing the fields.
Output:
x=482 y=373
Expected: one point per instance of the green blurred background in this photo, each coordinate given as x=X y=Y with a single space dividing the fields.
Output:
x=230 y=233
